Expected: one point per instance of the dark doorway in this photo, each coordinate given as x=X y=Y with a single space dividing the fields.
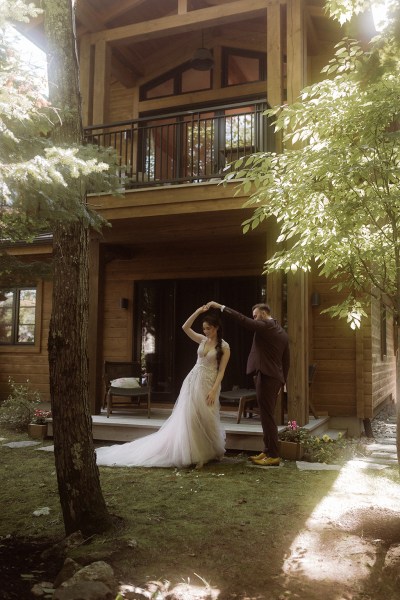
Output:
x=162 y=307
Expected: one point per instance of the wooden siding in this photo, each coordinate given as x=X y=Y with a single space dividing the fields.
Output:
x=121 y=103
x=334 y=389
x=181 y=260
x=383 y=368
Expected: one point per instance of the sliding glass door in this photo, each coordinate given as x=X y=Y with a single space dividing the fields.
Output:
x=161 y=307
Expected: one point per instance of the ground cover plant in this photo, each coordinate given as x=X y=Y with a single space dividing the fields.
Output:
x=228 y=531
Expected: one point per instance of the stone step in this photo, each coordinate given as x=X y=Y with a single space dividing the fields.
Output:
x=381 y=446
x=389 y=441
x=380 y=461
x=388 y=455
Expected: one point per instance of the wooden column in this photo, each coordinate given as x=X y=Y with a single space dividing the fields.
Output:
x=297 y=283
x=274 y=97
x=95 y=326
x=274 y=299
x=360 y=373
x=101 y=84
x=274 y=54
x=85 y=73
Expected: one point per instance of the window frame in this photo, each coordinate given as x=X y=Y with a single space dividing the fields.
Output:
x=25 y=347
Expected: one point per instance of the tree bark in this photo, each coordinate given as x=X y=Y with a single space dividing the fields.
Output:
x=81 y=498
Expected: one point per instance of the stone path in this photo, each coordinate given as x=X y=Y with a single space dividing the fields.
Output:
x=383 y=447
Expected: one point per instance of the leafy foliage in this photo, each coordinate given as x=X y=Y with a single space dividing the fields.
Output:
x=19 y=408
x=335 y=189
x=37 y=178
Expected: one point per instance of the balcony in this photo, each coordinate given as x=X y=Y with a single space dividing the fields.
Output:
x=185 y=147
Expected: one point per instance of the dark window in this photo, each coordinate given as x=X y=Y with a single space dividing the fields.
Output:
x=161 y=307
x=17 y=315
x=242 y=66
x=182 y=80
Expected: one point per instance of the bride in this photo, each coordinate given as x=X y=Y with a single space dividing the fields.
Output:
x=193 y=434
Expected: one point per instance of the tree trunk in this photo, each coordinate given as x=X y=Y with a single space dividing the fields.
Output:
x=81 y=498
x=398 y=391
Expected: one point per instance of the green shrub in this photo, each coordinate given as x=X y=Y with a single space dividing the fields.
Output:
x=17 y=411
x=324 y=449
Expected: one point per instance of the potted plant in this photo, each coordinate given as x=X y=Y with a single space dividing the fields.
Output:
x=37 y=428
x=291 y=441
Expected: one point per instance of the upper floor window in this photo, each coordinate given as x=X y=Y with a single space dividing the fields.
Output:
x=17 y=315
x=181 y=80
x=243 y=66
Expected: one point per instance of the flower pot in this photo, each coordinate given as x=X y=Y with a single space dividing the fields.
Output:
x=37 y=431
x=290 y=450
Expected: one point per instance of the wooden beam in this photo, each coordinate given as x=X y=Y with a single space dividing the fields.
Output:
x=191 y=21
x=296 y=49
x=101 y=85
x=182 y=7
x=117 y=9
x=235 y=92
x=274 y=55
x=85 y=70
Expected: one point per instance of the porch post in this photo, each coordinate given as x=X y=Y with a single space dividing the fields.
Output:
x=101 y=84
x=274 y=299
x=275 y=97
x=297 y=283
x=85 y=70
x=94 y=327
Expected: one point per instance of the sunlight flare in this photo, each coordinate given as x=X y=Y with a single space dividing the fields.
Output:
x=353 y=505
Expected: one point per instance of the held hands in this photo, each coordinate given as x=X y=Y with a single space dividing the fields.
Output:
x=213 y=304
x=202 y=309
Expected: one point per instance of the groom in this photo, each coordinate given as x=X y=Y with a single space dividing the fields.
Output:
x=269 y=360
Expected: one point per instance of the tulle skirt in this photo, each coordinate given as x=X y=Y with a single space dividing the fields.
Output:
x=192 y=435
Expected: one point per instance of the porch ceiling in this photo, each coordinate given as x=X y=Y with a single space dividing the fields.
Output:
x=216 y=228
x=143 y=31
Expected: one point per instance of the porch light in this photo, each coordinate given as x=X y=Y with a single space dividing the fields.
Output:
x=202 y=59
x=315 y=299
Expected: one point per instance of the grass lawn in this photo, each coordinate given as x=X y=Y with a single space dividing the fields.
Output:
x=228 y=531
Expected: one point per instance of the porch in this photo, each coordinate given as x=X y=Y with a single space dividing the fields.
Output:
x=125 y=426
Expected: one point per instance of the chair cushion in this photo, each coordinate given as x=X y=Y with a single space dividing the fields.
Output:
x=126 y=382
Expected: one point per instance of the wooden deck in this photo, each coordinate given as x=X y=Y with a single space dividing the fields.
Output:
x=125 y=426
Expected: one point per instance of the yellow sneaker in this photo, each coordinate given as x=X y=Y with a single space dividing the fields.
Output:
x=258 y=457
x=268 y=461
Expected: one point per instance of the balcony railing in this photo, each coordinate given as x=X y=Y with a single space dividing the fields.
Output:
x=185 y=147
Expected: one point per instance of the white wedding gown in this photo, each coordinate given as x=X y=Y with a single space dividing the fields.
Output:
x=192 y=435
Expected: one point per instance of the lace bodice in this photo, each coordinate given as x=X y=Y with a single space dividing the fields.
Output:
x=208 y=360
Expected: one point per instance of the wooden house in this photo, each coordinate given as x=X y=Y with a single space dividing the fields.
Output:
x=179 y=87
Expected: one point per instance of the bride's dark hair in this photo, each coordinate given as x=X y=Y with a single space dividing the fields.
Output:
x=214 y=321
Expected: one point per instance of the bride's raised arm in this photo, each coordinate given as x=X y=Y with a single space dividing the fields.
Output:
x=187 y=326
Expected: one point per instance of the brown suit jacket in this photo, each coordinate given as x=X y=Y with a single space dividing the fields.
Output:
x=270 y=349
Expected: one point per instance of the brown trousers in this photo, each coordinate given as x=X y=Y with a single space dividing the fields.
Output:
x=267 y=390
